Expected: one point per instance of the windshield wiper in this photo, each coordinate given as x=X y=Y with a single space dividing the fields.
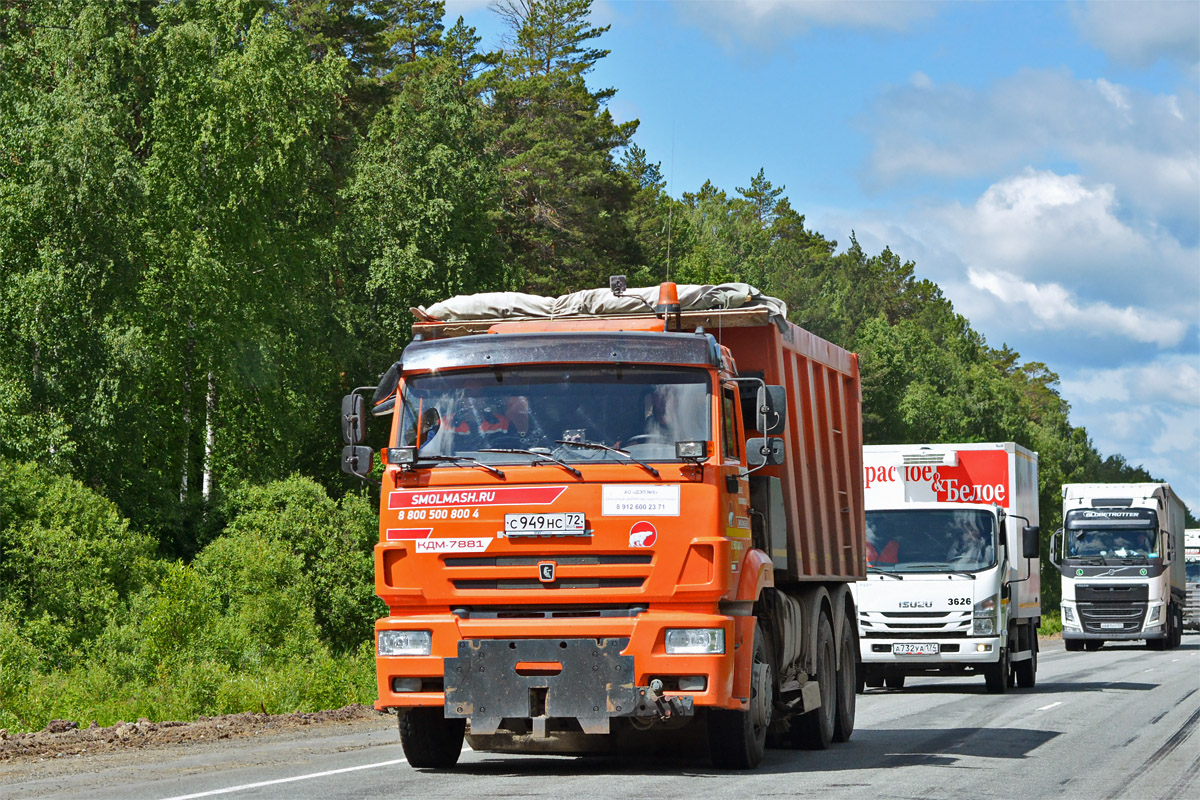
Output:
x=454 y=459
x=542 y=458
x=598 y=446
x=887 y=572
x=970 y=575
x=1088 y=561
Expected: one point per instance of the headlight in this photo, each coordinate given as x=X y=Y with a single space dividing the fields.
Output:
x=695 y=641
x=985 y=617
x=405 y=643
x=1155 y=614
x=1068 y=613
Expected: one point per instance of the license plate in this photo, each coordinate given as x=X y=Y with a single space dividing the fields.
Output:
x=922 y=649
x=565 y=524
x=1111 y=626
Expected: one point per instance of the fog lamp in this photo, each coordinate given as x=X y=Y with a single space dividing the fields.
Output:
x=401 y=685
x=691 y=450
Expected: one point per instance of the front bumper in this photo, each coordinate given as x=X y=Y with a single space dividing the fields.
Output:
x=958 y=650
x=480 y=668
x=1114 y=636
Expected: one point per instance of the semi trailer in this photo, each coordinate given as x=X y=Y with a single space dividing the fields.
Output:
x=1121 y=559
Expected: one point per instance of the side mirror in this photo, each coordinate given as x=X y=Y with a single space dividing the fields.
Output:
x=764 y=451
x=384 y=399
x=358 y=460
x=354 y=419
x=772 y=409
x=1029 y=542
x=1055 y=544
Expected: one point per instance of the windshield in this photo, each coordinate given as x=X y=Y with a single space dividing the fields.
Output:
x=639 y=409
x=1193 y=571
x=931 y=540
x=1111 y=543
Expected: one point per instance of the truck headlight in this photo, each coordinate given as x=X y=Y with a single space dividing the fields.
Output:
x=695 y=641
x=1068 y=613
x=405 y=643
x=1155 y=614
x=984 y=623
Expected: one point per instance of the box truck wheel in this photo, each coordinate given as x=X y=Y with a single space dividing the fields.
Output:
x=1027 y=670
x=847 y=686
x=873 y=677
x=894 y=681
x=738 y=739
x=814 y=730
x=429 y=739
x=996 y=675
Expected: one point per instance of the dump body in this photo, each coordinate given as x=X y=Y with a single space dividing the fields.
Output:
x=515 y=574
x=951 y=585
x=1121 y=557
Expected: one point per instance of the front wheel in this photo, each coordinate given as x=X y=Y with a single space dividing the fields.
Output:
x=738 y=739
x=431 y=741
x=894 y=681
x=1073 y=645
x=1092 y=645
x=996 y=675
x=815 y=729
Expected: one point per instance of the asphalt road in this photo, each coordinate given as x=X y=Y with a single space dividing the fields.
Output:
x=1121 y=722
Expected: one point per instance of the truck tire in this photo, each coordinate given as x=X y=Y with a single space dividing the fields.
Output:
x=1027 y=670
x=431 y=741
x=873 y=677
x=1092 y=645
x=1176 y=627
x=738 y=739
x=894 y=681
x=814 y=730
x=847 y=686
x=996 y=675
x=1073 y=645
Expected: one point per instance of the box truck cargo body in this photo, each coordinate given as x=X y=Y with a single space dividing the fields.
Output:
x=602 y=522
x=1120 y=553
x=953 y=584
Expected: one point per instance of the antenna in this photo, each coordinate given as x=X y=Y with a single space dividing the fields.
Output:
x=670 y=201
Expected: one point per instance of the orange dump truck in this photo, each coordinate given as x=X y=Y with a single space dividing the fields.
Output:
x=613 y=515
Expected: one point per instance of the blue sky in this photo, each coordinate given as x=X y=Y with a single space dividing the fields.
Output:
x=1040 y=161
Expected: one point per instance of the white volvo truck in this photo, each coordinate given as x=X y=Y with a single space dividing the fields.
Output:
x=1191 y=568
x=1120 y=556
x=953 y=582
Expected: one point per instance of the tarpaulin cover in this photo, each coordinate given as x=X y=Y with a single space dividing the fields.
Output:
x=598 y=302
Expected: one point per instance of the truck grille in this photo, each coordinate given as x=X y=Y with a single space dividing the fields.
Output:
x=919 y=623
x=519 y=572
x=1105 y=617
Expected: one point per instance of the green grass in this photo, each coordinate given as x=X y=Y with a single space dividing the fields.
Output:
x=1051 y=624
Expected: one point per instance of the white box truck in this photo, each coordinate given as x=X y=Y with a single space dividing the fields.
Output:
x=953 y=583
x=1119 y=552
x=1191 y=568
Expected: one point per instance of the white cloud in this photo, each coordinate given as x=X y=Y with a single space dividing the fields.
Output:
x=1141 y=33
x=1144 y=144
x=1147 y=411
x=1054 y=308
x=775 y=23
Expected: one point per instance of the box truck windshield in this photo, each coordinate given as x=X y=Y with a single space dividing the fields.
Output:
x=931 y=540
x=558 y=410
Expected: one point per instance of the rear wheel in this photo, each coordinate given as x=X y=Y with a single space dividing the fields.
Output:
x=843 y=724
x=431 y=741
x=815 y=729
x=894 y=681
x=738 y=739
x=1027 y=670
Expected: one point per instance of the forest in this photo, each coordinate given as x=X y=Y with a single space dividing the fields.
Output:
x=214 y=218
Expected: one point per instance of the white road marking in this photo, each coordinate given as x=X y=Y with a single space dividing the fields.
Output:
x=293 y=779
x=1052 y=705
